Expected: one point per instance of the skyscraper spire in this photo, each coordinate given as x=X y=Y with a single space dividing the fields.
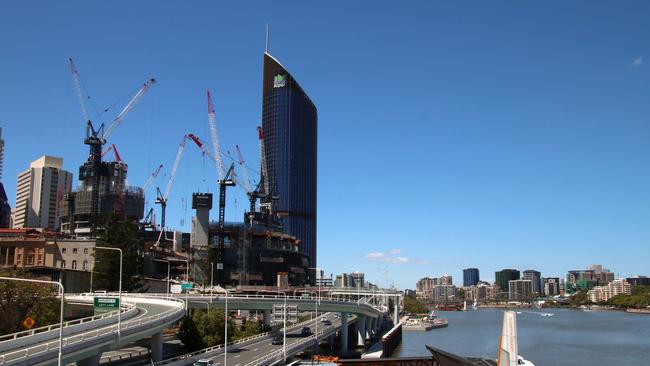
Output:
x=266 y=48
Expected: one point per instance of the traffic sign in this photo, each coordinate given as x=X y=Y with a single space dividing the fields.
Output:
x=186 y=286
x=29 y=322
x=105 y=304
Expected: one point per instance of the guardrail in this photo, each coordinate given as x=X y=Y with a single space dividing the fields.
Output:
x=46 y=328
x=175 y=312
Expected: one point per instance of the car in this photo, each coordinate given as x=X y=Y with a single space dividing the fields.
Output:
x=350 y=315
x=204 y=362
x=327 y=322
x=323 y=318
x=305 y=331
x=277 y=340
x=336 y=316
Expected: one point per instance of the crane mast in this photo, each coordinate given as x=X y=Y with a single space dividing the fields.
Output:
x=153 y=176
x=162 y=198
x=96 y=138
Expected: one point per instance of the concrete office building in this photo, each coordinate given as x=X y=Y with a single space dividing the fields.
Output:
x=536 y=278
x=38 y=193
x=503 y=276
x=470 y=277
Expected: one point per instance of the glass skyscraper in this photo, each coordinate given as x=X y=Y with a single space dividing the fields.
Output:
x=290 y=127
x=470 y=277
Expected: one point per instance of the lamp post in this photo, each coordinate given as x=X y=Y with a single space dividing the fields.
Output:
x=119 y=309
x=187 y=278
x=207 y=304
x=211 y=279
x=317 y=320
x=91 y=276
x=62 y=292
x=225 y=333
x=284 y=328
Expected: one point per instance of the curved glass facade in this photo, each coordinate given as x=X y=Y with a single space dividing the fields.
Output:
x=290 y=126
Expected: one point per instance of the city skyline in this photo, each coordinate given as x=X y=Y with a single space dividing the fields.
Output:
x=523 y=146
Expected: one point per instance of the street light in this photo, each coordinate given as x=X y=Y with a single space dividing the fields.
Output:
x=207 y=304
x=225 y=334
x=284 y=328
x=211 y=279
x=320 y=270
x=119 y=308
x=317 y=320
x=62 y=292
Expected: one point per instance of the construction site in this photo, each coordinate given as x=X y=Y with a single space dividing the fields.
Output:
x=254 y=252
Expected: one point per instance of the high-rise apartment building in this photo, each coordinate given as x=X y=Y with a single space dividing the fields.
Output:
x=551 y=286
x=446 y=280
x=503 y=276
x=520 y=289
x=289 y=126
x=536 y=278
x=470 y=277
x=39 y=191
x=604 y=293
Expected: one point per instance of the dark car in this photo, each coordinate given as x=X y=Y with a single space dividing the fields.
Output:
x=327 y=322
x=305 y=331
x=277 y=340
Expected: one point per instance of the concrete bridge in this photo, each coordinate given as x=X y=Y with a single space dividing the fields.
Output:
x=147 y=315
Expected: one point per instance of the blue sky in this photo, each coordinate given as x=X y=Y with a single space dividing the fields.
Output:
x=451 y=134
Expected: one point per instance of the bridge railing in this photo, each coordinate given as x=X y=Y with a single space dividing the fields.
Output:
x=89 y=335
x=126 y=307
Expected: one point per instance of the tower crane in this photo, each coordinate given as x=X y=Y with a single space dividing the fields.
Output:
x=114 y=149
x=96 y=138
x=225 y=179
x=246 y=183
x=153 y=176
x=162 y=198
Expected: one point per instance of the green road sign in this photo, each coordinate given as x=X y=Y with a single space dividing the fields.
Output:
x=186 y=286
x=105 y=304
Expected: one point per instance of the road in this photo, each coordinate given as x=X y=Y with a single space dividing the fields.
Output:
x=238 y=356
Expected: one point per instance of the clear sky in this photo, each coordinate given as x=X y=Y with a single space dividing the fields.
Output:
x=451 y=134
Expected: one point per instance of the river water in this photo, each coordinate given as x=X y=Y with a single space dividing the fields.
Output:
x=569 y=338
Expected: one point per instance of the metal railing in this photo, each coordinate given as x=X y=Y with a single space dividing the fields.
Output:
x=46 y=328
x=92 y=334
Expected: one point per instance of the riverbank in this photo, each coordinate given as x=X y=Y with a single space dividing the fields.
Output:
x=638 y=311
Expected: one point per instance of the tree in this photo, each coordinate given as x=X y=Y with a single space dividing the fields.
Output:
x=124 y=235
x=201 y=330
x=250 y=328
x=189 y=335
x=413 y=305
x=579 y=298
x=18 y=300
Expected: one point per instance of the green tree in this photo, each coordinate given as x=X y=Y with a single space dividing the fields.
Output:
x=250 y=328
x=18 y=300
x=579 y=298
x=125 y=236
x=413 y=305
x=189 y=334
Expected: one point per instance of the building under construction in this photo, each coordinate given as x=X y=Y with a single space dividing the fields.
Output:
x=114 y=197
x=255 y=252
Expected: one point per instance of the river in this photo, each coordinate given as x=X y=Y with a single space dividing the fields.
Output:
x=569 y=338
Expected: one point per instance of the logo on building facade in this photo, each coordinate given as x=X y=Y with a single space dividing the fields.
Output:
x=280 y=81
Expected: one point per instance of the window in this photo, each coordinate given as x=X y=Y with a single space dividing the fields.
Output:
x=63 y=250
x=85 y=265
x=85 y=250
x=62 y=264
x=74 y=264
x=74 y=250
